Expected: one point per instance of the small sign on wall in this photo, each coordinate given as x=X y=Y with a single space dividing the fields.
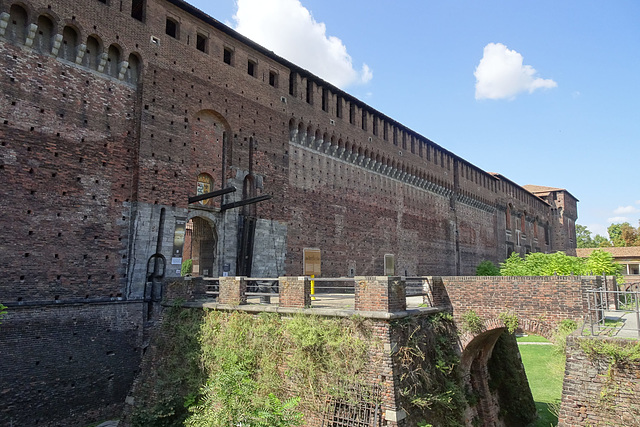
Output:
x=178 y=240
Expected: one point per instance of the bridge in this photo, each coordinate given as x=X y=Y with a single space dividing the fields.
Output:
x=538 y=304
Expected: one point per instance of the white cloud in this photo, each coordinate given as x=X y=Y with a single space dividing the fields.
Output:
x=621 y=210
x=617 y=219
x=288 y=28
x=501 y=74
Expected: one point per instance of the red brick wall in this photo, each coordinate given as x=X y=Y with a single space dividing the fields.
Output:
x=594 y=394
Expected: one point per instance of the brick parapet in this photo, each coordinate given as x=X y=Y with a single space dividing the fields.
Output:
x=295 y=292
x=233 y=290
x=380 y=293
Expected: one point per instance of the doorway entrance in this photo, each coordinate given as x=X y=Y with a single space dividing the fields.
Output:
x=201 y=245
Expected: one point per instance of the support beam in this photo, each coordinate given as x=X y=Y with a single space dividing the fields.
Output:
x=245 y=202
x=216 y=193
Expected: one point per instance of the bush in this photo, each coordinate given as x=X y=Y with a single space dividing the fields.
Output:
x=487 y=268
x=187 y=267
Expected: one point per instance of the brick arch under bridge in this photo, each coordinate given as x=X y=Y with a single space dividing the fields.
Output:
x=539 y=303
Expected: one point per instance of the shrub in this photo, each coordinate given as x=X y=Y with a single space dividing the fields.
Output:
x=187 y=267
x=487 y=268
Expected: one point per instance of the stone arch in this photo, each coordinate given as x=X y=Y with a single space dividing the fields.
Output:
x=43 y=41
x=114 y=56
x=93 y=52
x=17 y=26
x=134 y=69
x=70 y=41
x=201 y=245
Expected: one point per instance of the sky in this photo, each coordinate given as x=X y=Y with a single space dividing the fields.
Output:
x=542 y=92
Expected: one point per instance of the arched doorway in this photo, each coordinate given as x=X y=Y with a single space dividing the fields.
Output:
x=201 y=245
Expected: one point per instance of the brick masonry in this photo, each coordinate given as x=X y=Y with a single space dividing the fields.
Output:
x=106 y=122
x=68 y=365
x=594 y=394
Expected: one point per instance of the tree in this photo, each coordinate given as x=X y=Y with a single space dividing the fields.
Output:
x=541 y=264
x=624 y=234
x=583 y=237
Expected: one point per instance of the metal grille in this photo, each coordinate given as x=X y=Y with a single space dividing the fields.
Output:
x=615 y=313
x=364 y=410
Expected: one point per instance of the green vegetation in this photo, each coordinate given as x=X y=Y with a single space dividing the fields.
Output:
x=187 y=267
x=3 y=311
x=471 y=322
x=623 y=234
x=532 y=338
x=510 y=320
x=429 y=375
x=541 y=264
x=487 y=268
x=545 y=372
x=217 y=368
x=509 y=382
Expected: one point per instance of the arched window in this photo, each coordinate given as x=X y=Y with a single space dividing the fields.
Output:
x=133 y=70
x=92 y=56
x=204 y=186
x=113 y=61
x=17 y=28
x=69 y=44
x=44 y=36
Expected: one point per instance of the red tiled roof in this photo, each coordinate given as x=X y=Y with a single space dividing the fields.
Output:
x=625 y=252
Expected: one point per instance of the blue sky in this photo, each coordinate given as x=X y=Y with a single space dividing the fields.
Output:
x=543 y=92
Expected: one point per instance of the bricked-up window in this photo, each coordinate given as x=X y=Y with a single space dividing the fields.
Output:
x=523 y=222
x=339 y=107
x=273 y=79
x=202 y=43
x=137 y=9
x=171 y=28
x=17 y=28
x=113 y=61
x=293 y=84
x=364 y=119
x=352 y=113
x=227 y=56
x=252 y=68
x=508 y=216
x=133 y=69
x=325 y=99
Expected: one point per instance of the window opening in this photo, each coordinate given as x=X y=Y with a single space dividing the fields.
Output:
x=364 y=119
x=352 y=113
x=251 y=68
x=201 y=42
x=273 y=79
x=137 y=10
x=309 y=92
x=325 y=99
x=171 y=28
x=227 y=56
x=339 y=107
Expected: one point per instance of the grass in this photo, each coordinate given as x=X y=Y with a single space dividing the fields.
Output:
x=532 y=338
x=545 y=372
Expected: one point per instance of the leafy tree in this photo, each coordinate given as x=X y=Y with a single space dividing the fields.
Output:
x=541 y=264
x=600 y=241
x=583 y=237
x=624 y=234
x=487 y=268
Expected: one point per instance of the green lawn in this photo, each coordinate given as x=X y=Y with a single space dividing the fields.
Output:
x=532 y=338
x=545 y=372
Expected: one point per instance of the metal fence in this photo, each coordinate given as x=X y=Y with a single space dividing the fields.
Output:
x=614 y=312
